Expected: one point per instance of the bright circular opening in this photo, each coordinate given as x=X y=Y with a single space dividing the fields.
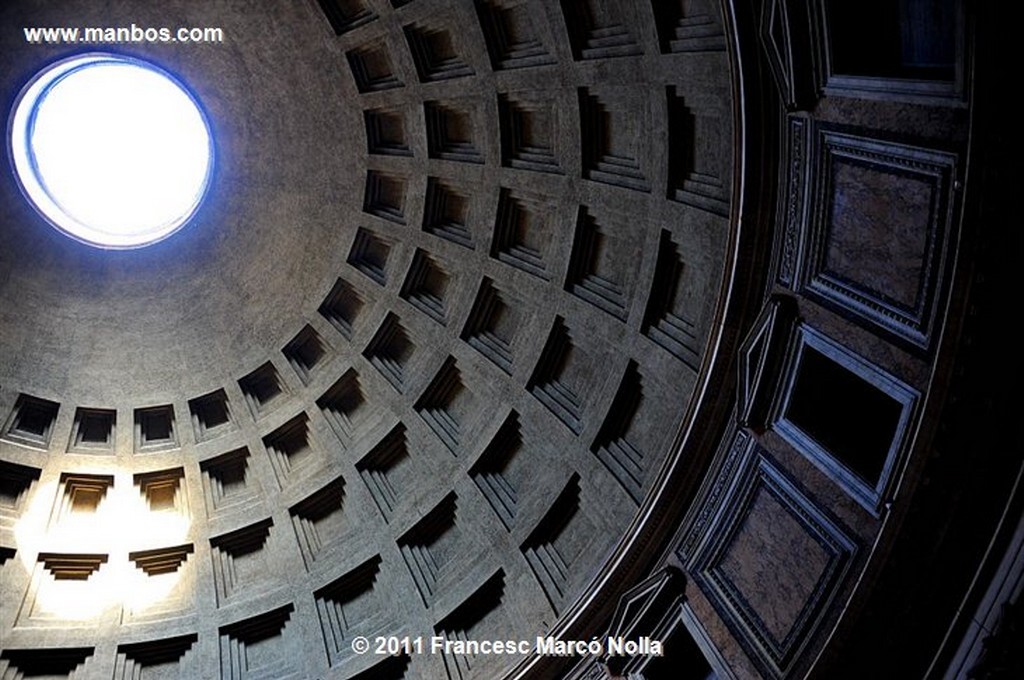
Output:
x=111 y=150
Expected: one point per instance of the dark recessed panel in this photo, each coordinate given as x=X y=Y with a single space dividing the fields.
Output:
x=263 y=389
x=372 y=69
x=848 y=416
x=211 y=415
x=916 y=49
x=346 y=15
x=529 y=128
x=155 y=429
x=613 y=146
x=446 y=213
x=94 y=430
x=341 y=307
x=386 y=132
x=672 y=304
x=698 y=139
x=305 y=351
x=385 y=196
x=511 y=35
x=689 y=25
x=493 y=325
x=31 y=422
x=436 y=52
x=427 y=286
x=369 y=254
x=454 y=131
x=599 y=29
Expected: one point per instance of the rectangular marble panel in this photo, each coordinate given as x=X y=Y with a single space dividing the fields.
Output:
x=772 y=564
x=881 y=218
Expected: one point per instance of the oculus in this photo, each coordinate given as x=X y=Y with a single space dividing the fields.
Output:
x=111 y=150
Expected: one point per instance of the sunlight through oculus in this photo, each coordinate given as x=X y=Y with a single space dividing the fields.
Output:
x=111 y=150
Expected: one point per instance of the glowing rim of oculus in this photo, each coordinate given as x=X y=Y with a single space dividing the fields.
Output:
x=58 y=203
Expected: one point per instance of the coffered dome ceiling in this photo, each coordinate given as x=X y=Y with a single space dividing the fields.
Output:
x=451 y=347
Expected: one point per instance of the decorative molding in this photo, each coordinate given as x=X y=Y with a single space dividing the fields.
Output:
x=711 y=507
x=793 y=203
x=656 y=609
x=641 y=608
x=786 y=35
x=761 y=359
x=590 y=668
